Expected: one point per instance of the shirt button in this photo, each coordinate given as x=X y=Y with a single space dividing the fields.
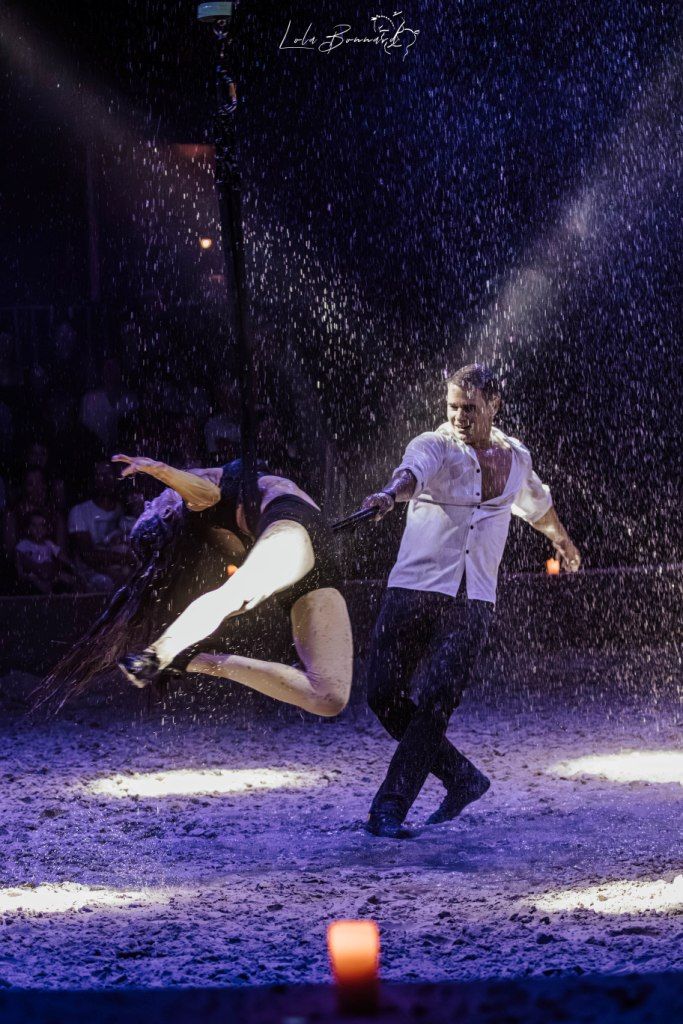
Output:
x=478 y=471
x=471 y=527
x=478 y=506
x=467 y=551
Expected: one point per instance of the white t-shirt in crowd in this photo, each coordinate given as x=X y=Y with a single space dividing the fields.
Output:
x=98 y=522
x=100 y=415
x=40 y=553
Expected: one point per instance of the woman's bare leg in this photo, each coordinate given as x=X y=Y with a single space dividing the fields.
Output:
x=280 y=558
x=322 y=635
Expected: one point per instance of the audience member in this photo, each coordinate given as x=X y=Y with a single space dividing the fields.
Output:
x=34 y=496
x=187 y=443
x=37 y=455
x=41 y=565
x=102 y=408
x=278 y=447
x=69 y=436
x=66 y=367
x=222 y=429
x=133 y=506
x=103 y=561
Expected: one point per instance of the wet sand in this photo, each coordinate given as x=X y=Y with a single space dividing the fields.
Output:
x=109 y=879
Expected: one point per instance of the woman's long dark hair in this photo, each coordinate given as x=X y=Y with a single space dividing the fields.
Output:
x=168 y=543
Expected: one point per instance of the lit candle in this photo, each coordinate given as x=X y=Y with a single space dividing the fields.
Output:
x=354 y=954
x=552 y=567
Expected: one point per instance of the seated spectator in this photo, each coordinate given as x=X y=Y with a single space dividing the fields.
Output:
x=34 y=496
x=41 y=565
x=65 y=364
x=37 y=455
x=222 y=429
x=101 y=558
x=102 y=408
x=69 y=436
x=279 y=448
x=187 y=443
x=153 y=422
x=133 y=507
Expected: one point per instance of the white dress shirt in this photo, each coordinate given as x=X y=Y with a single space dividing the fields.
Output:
x=450 y=531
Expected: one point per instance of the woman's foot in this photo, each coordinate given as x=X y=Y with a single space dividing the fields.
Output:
x=141 y=669
x=459 y=797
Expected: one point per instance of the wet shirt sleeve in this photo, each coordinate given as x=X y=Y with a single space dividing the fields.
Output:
x=533 y=499
x=424 y=457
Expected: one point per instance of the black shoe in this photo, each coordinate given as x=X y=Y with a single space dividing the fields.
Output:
x=459 y=797
x=387 y=826
x=140 y=669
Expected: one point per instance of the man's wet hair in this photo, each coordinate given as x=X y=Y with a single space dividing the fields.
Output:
x=476 y=375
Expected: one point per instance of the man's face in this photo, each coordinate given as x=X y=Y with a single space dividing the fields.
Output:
x=470 y=415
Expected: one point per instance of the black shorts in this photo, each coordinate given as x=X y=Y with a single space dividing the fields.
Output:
x=325 y=572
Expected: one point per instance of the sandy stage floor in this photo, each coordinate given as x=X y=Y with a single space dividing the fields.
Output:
x=227 y=870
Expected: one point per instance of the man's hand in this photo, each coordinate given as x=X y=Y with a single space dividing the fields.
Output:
x=569 y=554
x=136 y=464
x=401 y=487
x=382 y=501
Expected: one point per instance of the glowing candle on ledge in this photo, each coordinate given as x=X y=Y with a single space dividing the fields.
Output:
x=552 y=567
x=354 y=954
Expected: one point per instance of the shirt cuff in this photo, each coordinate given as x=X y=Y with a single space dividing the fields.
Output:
x=545 y=506
x=419 y=486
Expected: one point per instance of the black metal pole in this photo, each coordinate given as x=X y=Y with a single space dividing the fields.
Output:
x=229 y=192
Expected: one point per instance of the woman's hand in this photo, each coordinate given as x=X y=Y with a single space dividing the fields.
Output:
x=136 y=464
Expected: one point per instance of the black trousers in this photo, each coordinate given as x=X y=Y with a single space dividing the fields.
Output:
x=442 y=635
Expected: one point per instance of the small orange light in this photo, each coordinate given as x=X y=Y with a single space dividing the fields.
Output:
x=552 y=567
x=231 y=570
x=354 y=954
x=205 y=243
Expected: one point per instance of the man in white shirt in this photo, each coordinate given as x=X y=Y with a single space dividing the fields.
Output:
x=462 y=482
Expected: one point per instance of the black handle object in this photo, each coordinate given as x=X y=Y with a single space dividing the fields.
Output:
x=350 y=522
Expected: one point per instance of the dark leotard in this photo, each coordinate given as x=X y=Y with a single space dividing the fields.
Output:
x=325 y=572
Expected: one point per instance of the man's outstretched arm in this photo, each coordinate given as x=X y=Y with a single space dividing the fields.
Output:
x=551 y=527
x=422 y=459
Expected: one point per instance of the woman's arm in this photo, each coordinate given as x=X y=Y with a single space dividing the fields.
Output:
x=197 y=488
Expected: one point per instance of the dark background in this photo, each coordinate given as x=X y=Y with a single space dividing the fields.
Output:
x=508 y=192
